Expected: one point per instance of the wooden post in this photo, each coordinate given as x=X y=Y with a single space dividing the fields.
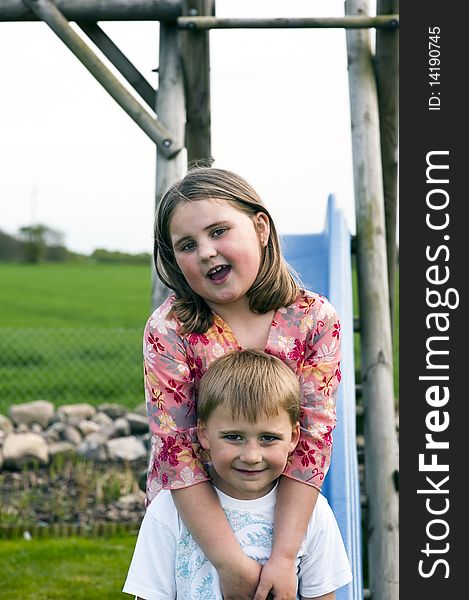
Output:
x=387 y=80
x=98 y=10
x=171 y=110
x=196 y=70
x=157 y=132
x=376 y=347
x=194 y=23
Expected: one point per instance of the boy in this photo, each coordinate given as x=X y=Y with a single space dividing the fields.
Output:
x=248 y=421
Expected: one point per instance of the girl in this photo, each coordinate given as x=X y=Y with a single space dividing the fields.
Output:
x=217 y=248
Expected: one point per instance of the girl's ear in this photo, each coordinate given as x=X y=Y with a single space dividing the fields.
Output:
x=262 y=223
x=202 y=435
x=295 y=436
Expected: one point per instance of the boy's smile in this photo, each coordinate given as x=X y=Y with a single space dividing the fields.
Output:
x=247 y=458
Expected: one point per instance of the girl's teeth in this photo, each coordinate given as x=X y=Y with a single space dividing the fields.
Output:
x=218 y=272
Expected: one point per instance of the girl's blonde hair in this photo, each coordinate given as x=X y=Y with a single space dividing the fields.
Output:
x=250 y=384
x=275 y=284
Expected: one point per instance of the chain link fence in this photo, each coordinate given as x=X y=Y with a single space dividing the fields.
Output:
x=69 y=365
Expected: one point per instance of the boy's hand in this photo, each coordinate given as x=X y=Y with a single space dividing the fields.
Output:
x=239 y=578
x=278 y=580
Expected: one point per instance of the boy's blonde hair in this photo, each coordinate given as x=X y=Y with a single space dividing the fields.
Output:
x=250 y=383
x=275 y=284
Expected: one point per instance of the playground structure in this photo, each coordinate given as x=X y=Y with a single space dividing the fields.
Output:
x=182 y=103
x=323 y=260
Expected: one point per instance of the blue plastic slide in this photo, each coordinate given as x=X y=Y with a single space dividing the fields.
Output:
x=323 y=262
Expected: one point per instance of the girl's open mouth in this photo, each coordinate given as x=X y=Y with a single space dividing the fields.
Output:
x=219 y=273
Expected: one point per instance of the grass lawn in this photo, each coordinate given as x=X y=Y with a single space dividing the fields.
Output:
x=72 y=568
x=74 y=295
x=72 y=333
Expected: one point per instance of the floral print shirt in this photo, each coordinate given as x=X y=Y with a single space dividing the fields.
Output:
x=305 y=335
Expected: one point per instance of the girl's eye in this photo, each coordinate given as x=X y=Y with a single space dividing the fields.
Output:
x=218 y=232
x=188 y=246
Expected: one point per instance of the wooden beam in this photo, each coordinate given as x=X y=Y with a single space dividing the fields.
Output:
x=387 y=80
x=349 y=22
x=120 y=61
x=156 y=131
x=171 y=108
x=98 y=10
x=196 y=70
x=381 y=455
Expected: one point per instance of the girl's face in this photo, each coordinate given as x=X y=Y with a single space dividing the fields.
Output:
x=218 y=249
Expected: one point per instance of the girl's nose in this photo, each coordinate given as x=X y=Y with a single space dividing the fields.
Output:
x=207 y=251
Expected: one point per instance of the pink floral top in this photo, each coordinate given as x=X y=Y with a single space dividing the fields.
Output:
x=305 y=335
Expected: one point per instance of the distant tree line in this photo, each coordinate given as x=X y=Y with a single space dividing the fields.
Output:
x=39 y=243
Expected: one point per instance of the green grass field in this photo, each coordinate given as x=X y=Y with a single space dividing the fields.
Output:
x=72 y=568
x=73 y=295
x=72 y=333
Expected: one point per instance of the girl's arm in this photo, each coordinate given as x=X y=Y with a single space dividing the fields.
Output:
x=295 y=505
x=202 y=514
x=175 y=464
x=319 y=377
x=170 y=403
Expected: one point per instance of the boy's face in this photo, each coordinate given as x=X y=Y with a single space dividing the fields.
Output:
x=247 y=457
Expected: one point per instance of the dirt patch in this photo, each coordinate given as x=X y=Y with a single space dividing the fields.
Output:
x=73 y=492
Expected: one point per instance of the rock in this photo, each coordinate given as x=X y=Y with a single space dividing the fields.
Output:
x=22 y=449
x=93 y=447
x=128 y=449
x=138 y=423
x=6 y=424
x=72 y=435
x=114 y=411
x=76 y=412
x=54 y=433
x=85 y=427
x=121 y=427
x=38 y=411
x=102 y=419
x=131 y=501
x=65 y=449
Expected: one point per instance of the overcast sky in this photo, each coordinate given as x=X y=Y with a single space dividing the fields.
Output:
x=72 y=159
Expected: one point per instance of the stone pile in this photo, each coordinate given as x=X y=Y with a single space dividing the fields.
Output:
x=34 y=433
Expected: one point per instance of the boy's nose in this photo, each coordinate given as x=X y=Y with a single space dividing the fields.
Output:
x=251 y=454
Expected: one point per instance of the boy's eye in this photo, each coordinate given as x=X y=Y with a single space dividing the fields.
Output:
x=269 y=438
x=232 y=437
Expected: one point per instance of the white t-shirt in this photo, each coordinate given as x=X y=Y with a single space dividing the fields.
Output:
x=167 y=562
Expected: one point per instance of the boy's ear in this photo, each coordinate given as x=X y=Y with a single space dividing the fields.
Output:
x=202 y=435
x=295 y=436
